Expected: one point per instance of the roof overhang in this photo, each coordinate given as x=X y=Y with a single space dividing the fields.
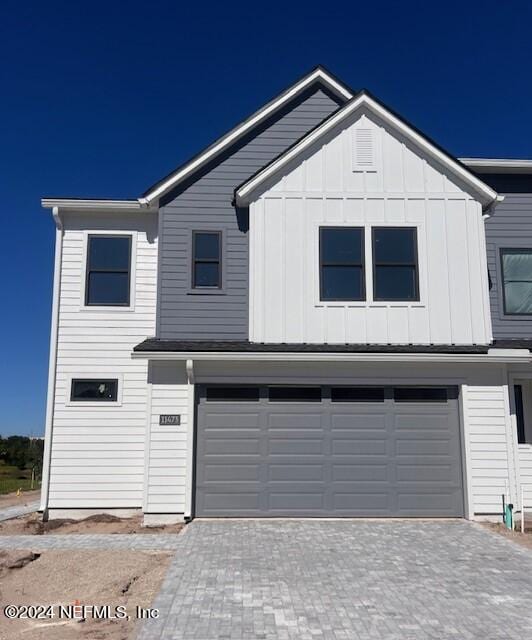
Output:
x=498 y=165
x=77 y=204
x=493 y=356
x=317 y=75
x=249 y=190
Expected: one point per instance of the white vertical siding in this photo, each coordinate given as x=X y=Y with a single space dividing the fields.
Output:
x=97 y=458
x=405 y=189
x=166 y=451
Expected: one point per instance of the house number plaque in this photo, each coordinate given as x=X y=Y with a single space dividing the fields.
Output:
x=170 y=419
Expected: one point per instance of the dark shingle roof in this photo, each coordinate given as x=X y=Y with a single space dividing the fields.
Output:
x=159 y=345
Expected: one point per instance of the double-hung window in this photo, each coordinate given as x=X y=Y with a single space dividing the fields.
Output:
x=395 y=264
x=342 y=263
x=516 y=266
x=108 y=270
x=206 y=260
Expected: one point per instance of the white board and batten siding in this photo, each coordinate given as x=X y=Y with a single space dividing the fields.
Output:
x=98 y=450
x=398 y=187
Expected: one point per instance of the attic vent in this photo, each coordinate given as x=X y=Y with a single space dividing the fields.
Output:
x=364 y=149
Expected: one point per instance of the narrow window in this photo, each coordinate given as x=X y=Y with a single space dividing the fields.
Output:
x=519 y=414
x=108 y=271
x=517 y=281
x=420 y=394
x=206 y=260
x=229 y=394
x=342 y=263
x=294 y=394
x=395 y=264
x=357 y=394
x=94 y=390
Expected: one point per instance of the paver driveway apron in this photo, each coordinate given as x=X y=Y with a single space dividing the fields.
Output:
x=248 y=579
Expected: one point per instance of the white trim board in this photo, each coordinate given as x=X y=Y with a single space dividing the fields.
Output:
x=250 y=190
x=492 y=357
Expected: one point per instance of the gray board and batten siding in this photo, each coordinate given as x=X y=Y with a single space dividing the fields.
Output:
x=509 y=227
x=205 y=203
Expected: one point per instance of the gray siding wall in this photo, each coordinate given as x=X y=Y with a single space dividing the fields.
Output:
x=510 y=226
x=206 y=204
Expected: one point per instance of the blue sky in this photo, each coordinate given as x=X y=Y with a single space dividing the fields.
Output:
x=104 y=98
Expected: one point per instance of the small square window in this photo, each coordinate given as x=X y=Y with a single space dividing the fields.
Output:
x=395 y=264
x=342 y=263
x=84 y=390
x=206 y=260
x=108 y=271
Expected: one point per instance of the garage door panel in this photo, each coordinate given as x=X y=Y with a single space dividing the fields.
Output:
x=362 y=503
x=232 y=472
x=220 y=446
x=359 y=471
x=328 y=458
x=294 y=472
x=295 y=421
x=374 y=446
x=424 y=472
x=296 y=502
x=231 y=420
x=295 y=446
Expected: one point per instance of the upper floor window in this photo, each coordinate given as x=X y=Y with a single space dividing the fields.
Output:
x=206 y=260
x=84 y=390
x=395 y=264
x=342 y=263
x=108 y=270
x=517 y=281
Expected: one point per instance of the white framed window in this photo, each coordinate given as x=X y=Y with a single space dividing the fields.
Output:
x=87 y=390
x=108 y=270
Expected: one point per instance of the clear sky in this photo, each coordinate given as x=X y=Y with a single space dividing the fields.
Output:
x=104 y=98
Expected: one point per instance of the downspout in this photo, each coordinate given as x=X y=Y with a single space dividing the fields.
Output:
x=189 y=474
x=52 y=364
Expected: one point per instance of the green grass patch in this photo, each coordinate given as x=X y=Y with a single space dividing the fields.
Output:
x=10 y=485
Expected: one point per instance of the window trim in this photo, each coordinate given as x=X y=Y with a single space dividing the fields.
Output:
x=362 y=265
x=220 y=286
x=374 y=264
x=109 y=308
x=111 y=404
x=502 y=251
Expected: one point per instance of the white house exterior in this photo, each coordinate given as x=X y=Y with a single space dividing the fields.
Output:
x=322 y=314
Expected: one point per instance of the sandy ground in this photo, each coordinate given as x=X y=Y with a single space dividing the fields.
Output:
x=115 y=578
x=32 y=524
x=11 y=499
x=524 y=539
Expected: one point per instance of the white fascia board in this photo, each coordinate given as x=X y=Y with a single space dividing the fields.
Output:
x=493 y=356
x=245 y=193
x=238 y=132
x=74 y=204
x=499 y=165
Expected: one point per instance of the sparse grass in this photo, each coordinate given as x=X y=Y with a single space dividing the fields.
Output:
x=12 y=479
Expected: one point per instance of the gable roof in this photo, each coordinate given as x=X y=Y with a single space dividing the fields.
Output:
x=318 y=76
x=247 y=190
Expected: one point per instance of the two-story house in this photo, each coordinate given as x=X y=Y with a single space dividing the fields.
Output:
x=323 y=313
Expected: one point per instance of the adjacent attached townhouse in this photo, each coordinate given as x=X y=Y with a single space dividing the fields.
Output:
x=323 y=313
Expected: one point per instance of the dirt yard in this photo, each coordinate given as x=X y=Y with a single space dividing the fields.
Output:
x=32 y=524
x=116 y=578
x=11 y=499
x=524 y=539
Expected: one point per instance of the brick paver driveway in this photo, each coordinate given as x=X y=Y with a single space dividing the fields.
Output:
x=344 y=580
